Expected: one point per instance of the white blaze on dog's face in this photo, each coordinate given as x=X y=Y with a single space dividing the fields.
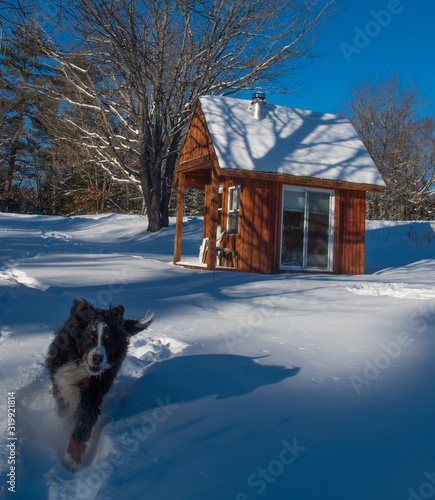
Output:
x=98 y=340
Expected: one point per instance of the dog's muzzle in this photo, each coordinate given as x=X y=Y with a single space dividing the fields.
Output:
x=97 y=361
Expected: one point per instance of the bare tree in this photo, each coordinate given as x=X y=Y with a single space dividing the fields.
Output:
x=389 y=118
x=139 y=67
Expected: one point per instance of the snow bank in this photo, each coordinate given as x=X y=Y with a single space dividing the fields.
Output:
x=398 y=290
x=397 y=244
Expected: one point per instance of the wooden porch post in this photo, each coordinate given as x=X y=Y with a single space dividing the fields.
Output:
x=179 y=220
x=214 y=201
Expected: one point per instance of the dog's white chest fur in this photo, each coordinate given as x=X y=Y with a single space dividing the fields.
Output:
x=67 y=379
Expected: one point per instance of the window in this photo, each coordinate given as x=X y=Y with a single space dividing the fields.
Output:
x=219 y=223
x=233 y=210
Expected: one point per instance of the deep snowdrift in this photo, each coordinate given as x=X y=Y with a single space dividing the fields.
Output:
x=245 y=386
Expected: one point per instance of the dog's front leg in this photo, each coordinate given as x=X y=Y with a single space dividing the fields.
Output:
x=73 y=455
x=86 y=418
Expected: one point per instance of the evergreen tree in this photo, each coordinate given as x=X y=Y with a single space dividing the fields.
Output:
x=24 y=137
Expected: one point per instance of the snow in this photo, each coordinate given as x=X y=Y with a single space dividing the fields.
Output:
x=244 y=387
x=287 y=141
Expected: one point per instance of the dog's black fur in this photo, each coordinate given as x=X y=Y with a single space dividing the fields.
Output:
x=83 y=361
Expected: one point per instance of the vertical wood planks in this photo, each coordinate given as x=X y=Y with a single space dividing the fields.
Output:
x=198 y=142
x=349 y=251
x=213 y=219
x=179 y=223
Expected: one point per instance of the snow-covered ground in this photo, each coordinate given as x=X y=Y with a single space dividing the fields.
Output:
x=296 y=386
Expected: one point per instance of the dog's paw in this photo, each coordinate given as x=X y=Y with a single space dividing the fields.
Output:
x=73 y=455
x=70 y=464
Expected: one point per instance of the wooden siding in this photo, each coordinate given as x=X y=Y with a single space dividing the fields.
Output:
x=255 y=246
x=349 y=233
x=259 y=224
x=197 y=148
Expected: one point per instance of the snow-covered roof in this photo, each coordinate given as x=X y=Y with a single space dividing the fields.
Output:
x=287 y=141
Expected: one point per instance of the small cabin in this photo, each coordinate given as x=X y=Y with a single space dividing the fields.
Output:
x=285 y=189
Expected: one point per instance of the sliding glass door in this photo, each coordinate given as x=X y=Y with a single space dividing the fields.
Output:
x=307 y=218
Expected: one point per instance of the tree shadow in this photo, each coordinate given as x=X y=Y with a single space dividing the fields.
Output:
x=189 y=378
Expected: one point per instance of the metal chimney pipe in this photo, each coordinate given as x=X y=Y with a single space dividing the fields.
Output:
x=257 y=105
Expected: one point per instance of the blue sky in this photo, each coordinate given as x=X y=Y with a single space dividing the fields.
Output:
x=371 y=38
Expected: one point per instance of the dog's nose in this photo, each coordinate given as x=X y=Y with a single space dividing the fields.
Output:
x=97 y=359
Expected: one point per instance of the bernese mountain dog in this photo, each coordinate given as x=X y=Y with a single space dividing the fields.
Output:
x=83 y=361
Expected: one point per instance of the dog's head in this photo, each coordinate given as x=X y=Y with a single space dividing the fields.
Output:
x=102 y=334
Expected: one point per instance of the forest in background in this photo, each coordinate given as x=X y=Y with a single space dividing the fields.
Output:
x=93 y=121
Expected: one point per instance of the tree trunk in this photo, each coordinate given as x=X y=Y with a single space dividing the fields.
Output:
x=11 y=168
x=151 y=193
x=103 y=195
x=168 y=176
x=9 y=177
x=154 y=216
x=164 y=203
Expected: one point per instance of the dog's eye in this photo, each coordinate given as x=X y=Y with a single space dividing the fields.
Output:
x=106 y=336
x=91 y=338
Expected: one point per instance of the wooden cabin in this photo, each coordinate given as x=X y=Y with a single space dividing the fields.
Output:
x=285 y=188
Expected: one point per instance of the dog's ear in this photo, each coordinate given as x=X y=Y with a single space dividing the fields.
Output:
x=116 y=316
x=81 y=310
x=133 y=326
